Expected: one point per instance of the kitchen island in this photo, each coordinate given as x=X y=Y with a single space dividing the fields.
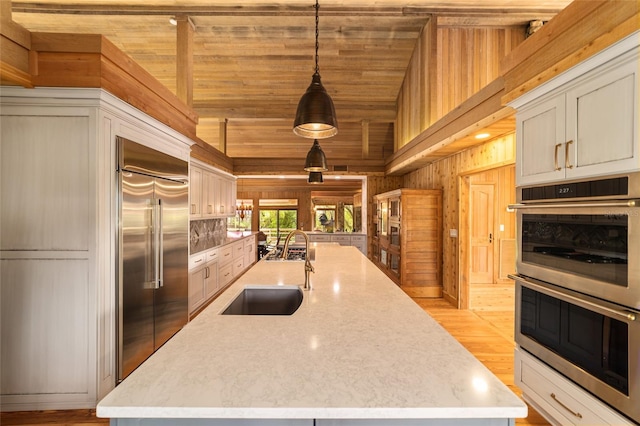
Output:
x=358 y=351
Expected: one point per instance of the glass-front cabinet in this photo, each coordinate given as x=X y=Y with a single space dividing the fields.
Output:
x=408 y=239
x=383 y=218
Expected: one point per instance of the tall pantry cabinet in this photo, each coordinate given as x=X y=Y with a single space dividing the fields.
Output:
x=407 y=243
x=58 y=246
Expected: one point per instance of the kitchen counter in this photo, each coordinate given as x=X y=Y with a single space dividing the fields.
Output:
x=357 y=348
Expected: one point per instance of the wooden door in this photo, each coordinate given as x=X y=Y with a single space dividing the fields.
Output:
x=482 y=234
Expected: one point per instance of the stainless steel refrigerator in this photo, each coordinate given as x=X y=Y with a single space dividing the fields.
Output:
x=153 y=246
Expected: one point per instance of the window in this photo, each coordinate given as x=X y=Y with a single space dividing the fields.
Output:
x=325 y=218
x=334 y=217
x=278 y=218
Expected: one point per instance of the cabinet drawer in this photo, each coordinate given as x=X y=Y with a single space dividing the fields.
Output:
x=342 y=239
x=238 y=249
x=559 y=397
x=212 y=255
x=196 y=260
x=226 y=254
x=225 y=275
x=319 y=238
x=238 y=266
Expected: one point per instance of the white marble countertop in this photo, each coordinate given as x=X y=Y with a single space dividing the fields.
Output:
x=357 y=347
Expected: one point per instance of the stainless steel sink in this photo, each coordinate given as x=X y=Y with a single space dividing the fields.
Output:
x=266 y=300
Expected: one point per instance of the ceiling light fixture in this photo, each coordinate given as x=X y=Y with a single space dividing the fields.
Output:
x=315 y=177
x=316 y=160
x=316 y=116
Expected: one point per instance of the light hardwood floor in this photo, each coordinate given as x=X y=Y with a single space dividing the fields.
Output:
x=486 y=331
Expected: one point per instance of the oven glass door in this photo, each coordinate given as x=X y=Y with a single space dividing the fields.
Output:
x=586 y=248
x=592 y=342
x=590 y=245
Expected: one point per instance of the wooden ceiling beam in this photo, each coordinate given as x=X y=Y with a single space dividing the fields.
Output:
x=279 y=10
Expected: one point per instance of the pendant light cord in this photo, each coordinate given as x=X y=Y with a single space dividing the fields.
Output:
x=317 y=7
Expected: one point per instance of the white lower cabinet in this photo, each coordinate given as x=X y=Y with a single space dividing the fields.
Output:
x=558 y=399
x=203 y=278
x=357 y=240
x=213 y=270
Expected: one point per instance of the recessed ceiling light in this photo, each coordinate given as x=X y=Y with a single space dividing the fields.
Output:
x=482 y=135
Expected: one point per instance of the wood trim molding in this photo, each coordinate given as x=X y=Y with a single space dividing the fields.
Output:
x=452 y=131
x=581 y=30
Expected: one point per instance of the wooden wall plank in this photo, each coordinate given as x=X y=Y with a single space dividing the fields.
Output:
x=465 y=60
x=445 y=174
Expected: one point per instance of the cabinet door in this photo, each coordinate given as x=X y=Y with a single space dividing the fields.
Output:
x=196 y=288
x=210 y=280
x=602 y=114
x=195 y=191
x=540 y=138
x=209 y=193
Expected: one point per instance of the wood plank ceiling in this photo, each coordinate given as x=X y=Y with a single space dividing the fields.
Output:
x=252 y=60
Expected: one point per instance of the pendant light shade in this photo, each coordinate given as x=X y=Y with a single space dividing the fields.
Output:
x=316 y=160
x=315 y=177
x=316 y=116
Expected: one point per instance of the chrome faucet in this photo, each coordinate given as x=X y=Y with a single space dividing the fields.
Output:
x=307 y=258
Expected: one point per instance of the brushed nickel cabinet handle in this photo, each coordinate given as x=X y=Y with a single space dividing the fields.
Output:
x=576 y=414
x=193 y=209
x=567 y=162
x=555 y=157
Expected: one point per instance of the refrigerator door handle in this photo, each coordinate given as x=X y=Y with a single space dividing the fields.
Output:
x=156 y=225
x=159 y=247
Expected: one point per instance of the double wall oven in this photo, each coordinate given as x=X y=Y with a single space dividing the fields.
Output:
x=578 y=284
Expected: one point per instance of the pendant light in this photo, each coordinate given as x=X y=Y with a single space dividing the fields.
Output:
x=316 y=160
x=316 y=116
x=315 y=177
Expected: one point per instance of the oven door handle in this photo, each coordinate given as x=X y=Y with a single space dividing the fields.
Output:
x=627 y=316
x=573 y=205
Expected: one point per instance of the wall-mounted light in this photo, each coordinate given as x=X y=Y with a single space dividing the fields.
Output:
x=316 y=116
x=173 y=20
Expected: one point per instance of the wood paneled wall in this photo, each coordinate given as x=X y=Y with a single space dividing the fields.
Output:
x=504 y=181
x=448 y=174
x=449 y=65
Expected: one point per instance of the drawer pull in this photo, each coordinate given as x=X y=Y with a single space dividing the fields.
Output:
x=578 y=415
x=198 y=261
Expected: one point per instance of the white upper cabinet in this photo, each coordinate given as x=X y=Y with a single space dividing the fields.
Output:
x=602 y=120
x=195 y=191
x=212 y=192
x=583 y=126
